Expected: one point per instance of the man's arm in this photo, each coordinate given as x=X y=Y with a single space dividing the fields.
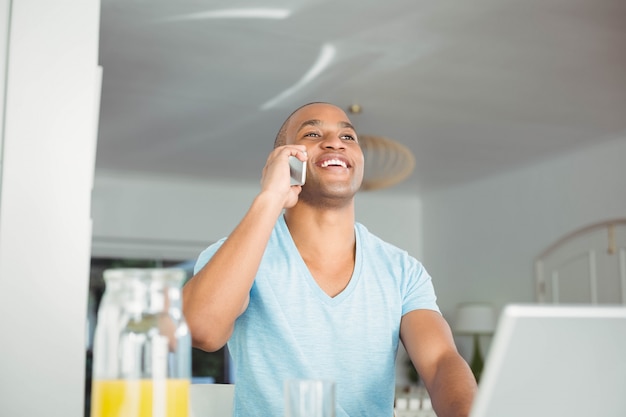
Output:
x=219 y=292
x=428 y=341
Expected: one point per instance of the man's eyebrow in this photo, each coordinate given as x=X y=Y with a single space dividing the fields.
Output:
x=317 y=122
x=312 y=122
x=347 y=125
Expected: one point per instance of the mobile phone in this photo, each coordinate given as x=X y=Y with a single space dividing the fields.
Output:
x=297 y=170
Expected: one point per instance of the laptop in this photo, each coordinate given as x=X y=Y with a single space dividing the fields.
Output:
x=555 y=361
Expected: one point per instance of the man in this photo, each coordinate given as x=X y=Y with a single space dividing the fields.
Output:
x=300 y=290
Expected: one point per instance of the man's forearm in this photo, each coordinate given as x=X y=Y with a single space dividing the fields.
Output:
x=453 y=388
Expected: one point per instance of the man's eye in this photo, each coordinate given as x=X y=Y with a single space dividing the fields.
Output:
x=312 y=134
x=348 y=137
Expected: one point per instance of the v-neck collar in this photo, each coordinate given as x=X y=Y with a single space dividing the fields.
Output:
x=306 y=274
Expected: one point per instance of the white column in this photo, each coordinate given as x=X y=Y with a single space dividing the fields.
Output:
x=49 y=55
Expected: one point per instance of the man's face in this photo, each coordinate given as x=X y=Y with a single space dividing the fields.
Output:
x=335 y=159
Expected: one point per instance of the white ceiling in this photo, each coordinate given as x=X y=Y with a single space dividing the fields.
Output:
x=472 y=87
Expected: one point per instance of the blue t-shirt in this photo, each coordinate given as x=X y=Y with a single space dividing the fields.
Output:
x=293 y=329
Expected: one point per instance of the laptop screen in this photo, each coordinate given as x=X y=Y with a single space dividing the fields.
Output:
x=555 y=361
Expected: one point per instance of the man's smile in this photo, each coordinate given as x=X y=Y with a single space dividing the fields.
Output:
x=333 y=162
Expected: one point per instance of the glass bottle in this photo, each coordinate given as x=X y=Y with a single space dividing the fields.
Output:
x=142 y=351
x=108 y=327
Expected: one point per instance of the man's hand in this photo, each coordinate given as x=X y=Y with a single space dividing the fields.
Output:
x=276 y=180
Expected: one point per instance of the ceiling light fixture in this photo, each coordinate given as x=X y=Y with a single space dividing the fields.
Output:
x=252 y=13
x=326 y=56
x=387 y=162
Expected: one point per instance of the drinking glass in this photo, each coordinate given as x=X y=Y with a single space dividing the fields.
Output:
x=309 y=398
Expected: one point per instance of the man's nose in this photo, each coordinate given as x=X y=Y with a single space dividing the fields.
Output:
x=333 y=142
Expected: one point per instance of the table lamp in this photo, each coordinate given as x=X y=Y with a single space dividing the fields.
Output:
x=475 y=319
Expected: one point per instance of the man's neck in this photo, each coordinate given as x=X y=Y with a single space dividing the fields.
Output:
x=318 y=231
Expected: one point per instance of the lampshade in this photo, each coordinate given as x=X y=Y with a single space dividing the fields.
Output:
x=475 y=318
x=387 y=162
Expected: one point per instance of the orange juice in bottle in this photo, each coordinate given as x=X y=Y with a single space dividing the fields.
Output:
x=140 y=398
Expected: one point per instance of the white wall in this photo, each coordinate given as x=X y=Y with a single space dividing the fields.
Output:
x=48 y=145
x=5 y=10
x=175 y=218
x=481 y=239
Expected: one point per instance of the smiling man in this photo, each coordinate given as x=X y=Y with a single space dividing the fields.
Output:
x=299 y=289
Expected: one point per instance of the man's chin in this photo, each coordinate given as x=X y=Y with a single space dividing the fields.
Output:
x=329 y=196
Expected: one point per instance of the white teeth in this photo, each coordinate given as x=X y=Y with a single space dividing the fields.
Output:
x=333 y=162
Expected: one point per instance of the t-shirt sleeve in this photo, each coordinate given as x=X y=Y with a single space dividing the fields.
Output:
x=419 y=291
x=206 y=255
